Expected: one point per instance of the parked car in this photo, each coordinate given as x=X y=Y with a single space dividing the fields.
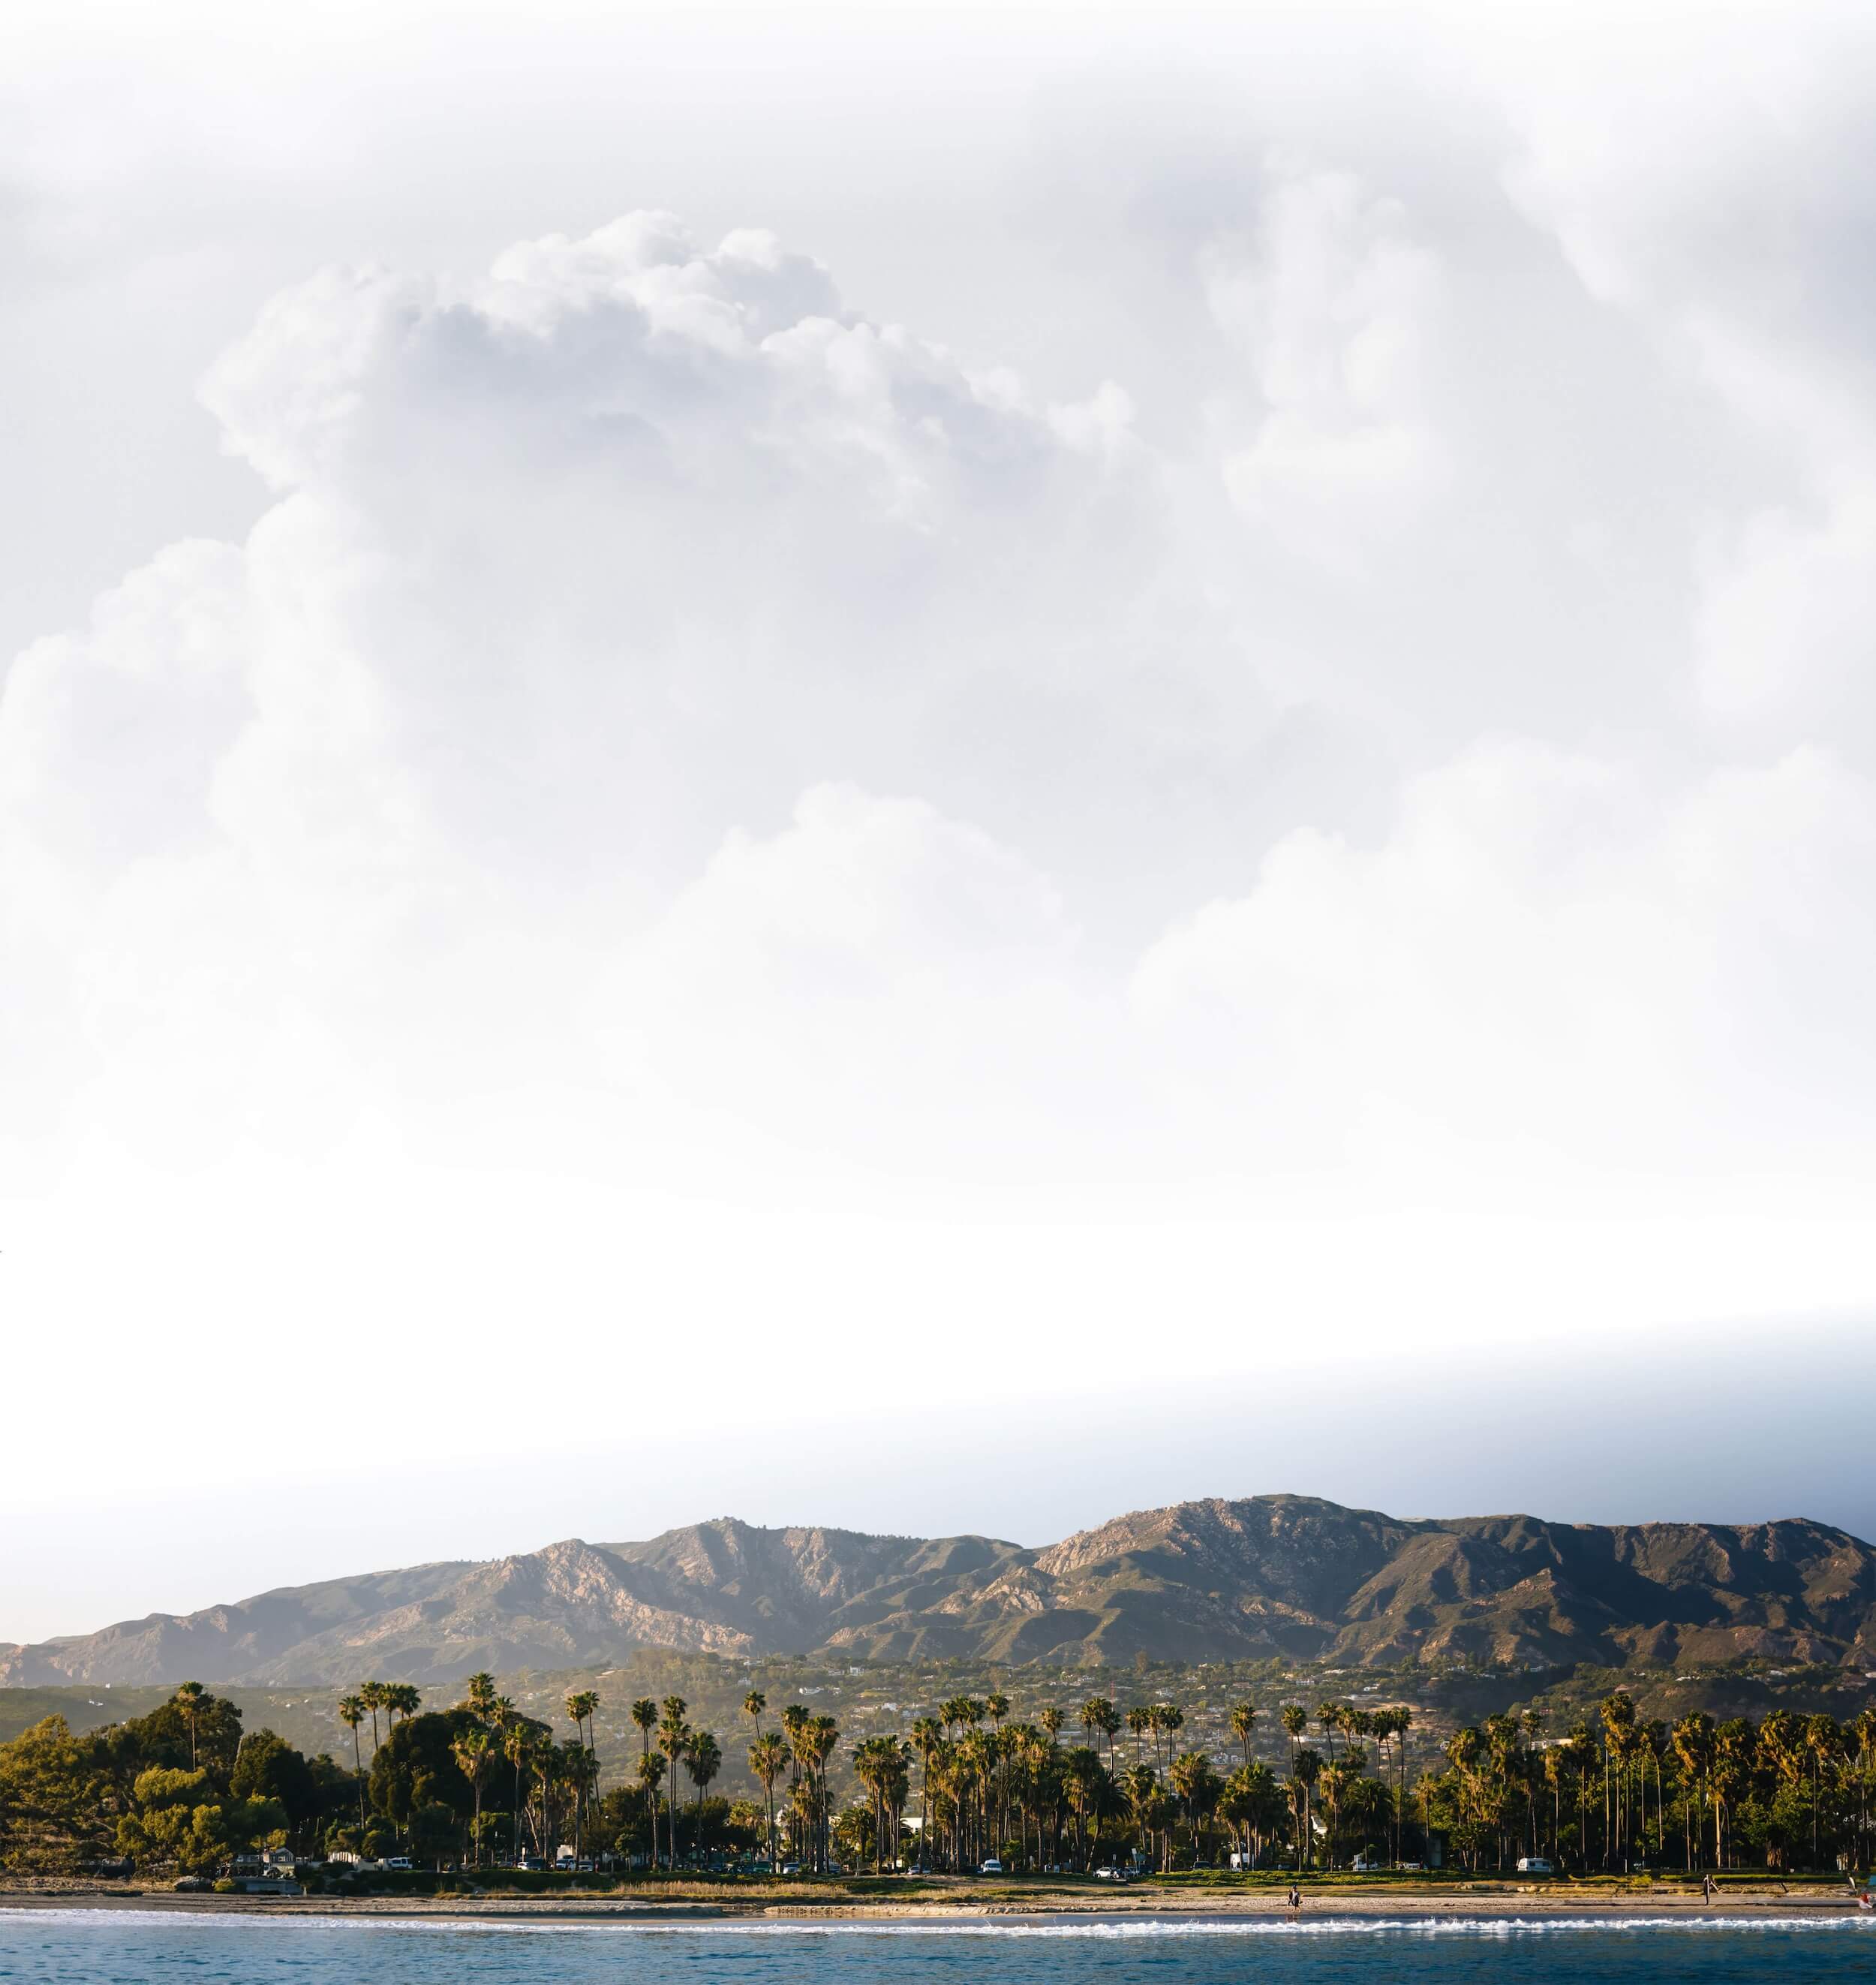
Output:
x=398 y=1864
x=1535 y=1864
x=992 y=1866
x=194 y=1885
x=1111 y=1875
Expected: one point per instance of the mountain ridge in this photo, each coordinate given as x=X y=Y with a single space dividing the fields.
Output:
x=1211 y=1579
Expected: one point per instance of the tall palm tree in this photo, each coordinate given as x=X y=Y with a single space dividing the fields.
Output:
x=823 y=1734
x=1403 y=1720
x=1141 y=1788
x=1191 y=1776
x=1307 y=1770
x=1139 y=1721
x=644 y=1715
x=1255 y=1803
x=928 y=1740
x=545 y=1761
x=371 y=1694
x=874 y=1760
x=753 y=1705
x=516 y=1743
x=469 y=1749
x=581 y=1705
x=1693 y=1746
x=997 y=1706
x=190 y=1700
x=351 y=1714
x=702 y=1761
x=651 y=1776
x=479 y=1695
x=674 y=1734
x=1328 y=1720
x=1823 y=1744
x=1295 y=1720
x=1244 y=1720
x=768 y=1759
x=1735 y=1747
x=1082 y=1774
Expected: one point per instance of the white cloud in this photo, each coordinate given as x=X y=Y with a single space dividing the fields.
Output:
x=1331 y=303
x=1549 y=968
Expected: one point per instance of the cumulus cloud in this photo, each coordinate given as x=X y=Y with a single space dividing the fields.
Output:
x=1550 y=965
x=1331 y=302
x=656 y=682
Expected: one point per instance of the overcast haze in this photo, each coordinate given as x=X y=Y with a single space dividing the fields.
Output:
x=927 y=770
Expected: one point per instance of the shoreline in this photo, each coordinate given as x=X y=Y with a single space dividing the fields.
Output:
x=1061 y=1912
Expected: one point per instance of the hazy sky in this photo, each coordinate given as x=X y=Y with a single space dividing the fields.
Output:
x=926 y=768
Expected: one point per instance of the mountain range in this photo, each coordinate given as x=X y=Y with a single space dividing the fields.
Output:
x=1210 y=1580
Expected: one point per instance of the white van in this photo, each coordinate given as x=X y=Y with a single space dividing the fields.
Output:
x=1535 y=1864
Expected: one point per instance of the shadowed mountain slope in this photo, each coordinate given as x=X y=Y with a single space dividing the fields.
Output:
x=1202 y=1581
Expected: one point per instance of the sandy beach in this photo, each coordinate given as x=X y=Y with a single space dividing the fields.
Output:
x=1481 y=1899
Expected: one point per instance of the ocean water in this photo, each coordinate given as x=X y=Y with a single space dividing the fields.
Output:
x=107 y=1947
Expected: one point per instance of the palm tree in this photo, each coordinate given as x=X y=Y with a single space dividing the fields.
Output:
x=351 y=1714
x=1172 y=1721
x=544 y=1759
x=371 y=1694
x=997 y=1706
x=1191 y=1776
x=753 y=1705
x=1307 y=1770
x=1402 y=1718
x=470 y=1748
x=479 y=1695
x=823 y=1733
x=1693 y=1745
x=1244 y=1720
x=581 y=1707
x=1734 y=1747
x=1255 y=1802
x=1295 y=1720
x=645 y=1714
x=768 y=1759
x=928 y=1740
x=674 y=1734
x=1082 y=1774
x=515 y=1745
x=702 y=1761
x=1141 y=1790
x=190 y=1700
x=1139 y=1721
x=880 y=1764
x=1328 y=1720
x=651 y=1776
x=1336 y=1779
x=1823 y=1743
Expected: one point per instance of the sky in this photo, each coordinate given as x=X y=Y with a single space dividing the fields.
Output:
x=929 y=768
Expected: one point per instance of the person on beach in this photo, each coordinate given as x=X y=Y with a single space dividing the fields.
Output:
x=1296 y=1898
x=1709 y=1888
